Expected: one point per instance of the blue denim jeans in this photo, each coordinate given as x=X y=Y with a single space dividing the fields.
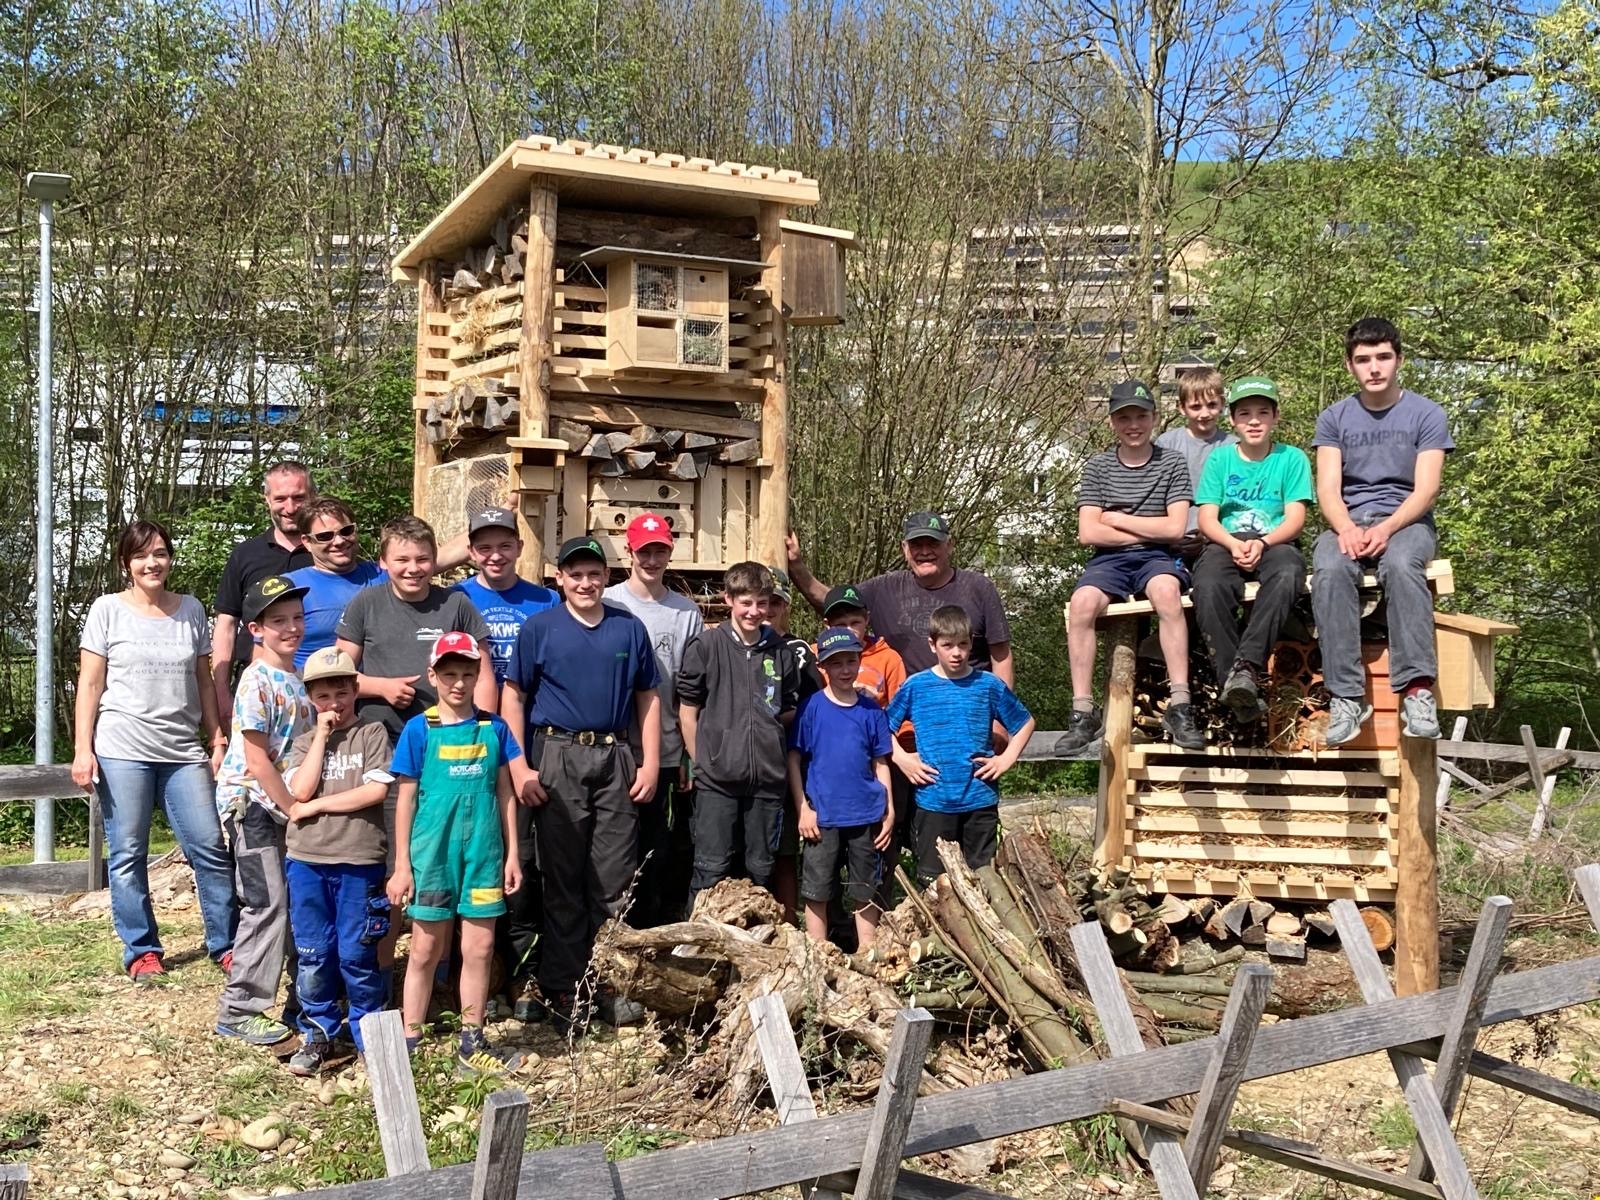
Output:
x=339 y=914
x=129 y=791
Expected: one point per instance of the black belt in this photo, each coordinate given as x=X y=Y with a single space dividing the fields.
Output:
x=580 y=737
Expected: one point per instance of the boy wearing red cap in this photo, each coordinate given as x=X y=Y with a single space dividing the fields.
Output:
x=672 y=621
x=455 y=842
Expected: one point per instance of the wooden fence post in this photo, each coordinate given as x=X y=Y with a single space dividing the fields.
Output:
x=897 y=1099
x=1441 y=800
x=786 y=1074
x=1252 y=987
x=1544 y=784
x=394 y=1093
x=13 y=1181
x=500 y=1135
x=1167 y=1162
x=1433 y=1125
x=1416 y=901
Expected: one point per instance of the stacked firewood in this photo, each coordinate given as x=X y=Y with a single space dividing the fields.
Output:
x=491 y=264
x=1297 y=701
x=617 y=449
x=473 y=406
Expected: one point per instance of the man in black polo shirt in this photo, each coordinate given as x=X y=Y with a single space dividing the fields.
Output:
x=276 y=552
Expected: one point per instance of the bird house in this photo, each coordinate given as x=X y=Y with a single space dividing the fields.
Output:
x=667 y=313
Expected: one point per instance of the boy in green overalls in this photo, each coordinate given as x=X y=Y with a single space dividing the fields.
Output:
x=455 y=843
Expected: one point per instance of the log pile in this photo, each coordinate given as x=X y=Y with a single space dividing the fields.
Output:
x=1297 y=701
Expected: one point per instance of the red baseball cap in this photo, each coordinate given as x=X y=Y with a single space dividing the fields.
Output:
x=647 y=529
x=462 y=644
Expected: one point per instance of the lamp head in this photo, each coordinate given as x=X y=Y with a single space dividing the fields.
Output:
x=47 y=185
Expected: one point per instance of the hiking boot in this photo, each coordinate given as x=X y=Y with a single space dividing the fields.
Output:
x=617 y=1010
x=147 y=968
x=526 y=1005
x=258 y=1029
x=1345 y=719
x=475 y=1056
x=1082 y=729
x=567 y=1013
x=495 y=1010
x=1419 y=714
x=1178 y=721
x=1241 y=692
x=310 y=1059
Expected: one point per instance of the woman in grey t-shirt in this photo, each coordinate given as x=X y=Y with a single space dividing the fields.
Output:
x=144 y=699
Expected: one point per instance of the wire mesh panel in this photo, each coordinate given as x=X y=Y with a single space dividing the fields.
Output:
x=655 y=288
x=705 y=342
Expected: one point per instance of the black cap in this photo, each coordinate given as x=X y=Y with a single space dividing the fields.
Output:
x=491 y=518
x=264 y=593
x=580 y=547
x=846 y=596
x=926 y=525
x=1130 y=393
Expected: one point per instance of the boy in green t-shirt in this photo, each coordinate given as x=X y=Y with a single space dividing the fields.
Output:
x=1252 y=499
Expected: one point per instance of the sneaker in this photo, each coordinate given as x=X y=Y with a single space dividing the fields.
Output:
x=1419 y=714
x=226 y=962
x=1082 y=728
x=617 y=1010
x=1345 y=719
x=475 y=1056
x=310 y=1059
x=1178 y=721
x=1241 y=692
x=526 y=1005
x=257 y=1029
x=147 y=968
x=495 y=1010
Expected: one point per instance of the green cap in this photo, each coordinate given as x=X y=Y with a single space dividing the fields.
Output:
x=1252 y=385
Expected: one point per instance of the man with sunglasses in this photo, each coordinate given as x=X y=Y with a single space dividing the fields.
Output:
x=337 y=572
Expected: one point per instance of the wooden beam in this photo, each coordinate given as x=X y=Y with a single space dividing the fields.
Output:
x=500 y=1135
x=1472 y=990
x=621 y=414
x=424 y=455
x=1583 y=760
x=50 y=782
x=534 y=352
x=786 y=1074
x=1544 y=784
x=896 y=1104
x=1111 y=811
x=1519 y=1079
x=1121 y=1033
x=394 y=1094
x=772 y=502
x=649 y=232
x=1416 y=903
x=1433 y=1124
x=1448 y=769
x=1252 y=987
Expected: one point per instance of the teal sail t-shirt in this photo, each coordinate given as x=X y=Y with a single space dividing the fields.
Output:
x=1250 y=496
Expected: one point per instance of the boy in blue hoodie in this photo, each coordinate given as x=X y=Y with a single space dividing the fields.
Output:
x=737 y=692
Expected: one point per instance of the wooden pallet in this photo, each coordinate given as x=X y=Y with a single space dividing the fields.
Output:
x=1293 y=826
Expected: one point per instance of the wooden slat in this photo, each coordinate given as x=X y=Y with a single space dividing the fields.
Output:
x=568 y=293
x=500 y=1134
x=462 y=351
x=1285 y=883
x=41 y=782
x=708 y=516
x=1386 y=761
x=489 y=366
x=618 y=414
x=1298 y=803
x=1433 y=1125
x=1249 y=827
x=1584 y=760
x=394 y=1094
x=1247 y=1000
x=895 y=1105
x=1266 y=775
x=1519 y=1079
x=716 y=389
x=736 y=527
x=641 y=491
x=1339 y=856
x=615 y=519
x=567 y=342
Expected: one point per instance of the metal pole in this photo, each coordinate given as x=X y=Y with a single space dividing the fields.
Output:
x=44 y=724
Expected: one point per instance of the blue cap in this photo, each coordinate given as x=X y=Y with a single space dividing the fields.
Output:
x=837 y=641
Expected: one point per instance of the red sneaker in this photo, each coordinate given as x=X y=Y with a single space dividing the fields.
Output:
x=146 y=968
x=226 y=962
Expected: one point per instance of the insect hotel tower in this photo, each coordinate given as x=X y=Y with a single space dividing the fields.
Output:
x=603 y=331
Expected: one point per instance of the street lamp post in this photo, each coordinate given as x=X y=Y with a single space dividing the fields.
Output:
x=46 y=188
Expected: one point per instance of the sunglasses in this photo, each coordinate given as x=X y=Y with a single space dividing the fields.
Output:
x=327 y=535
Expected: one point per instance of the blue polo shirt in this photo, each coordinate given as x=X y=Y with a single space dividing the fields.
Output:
x=504 y=612
x=579 y=678
x=325 y=602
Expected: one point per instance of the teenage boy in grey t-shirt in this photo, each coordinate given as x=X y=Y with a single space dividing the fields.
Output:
x=1200 y=403
x=673 y=621
x=1380 y=457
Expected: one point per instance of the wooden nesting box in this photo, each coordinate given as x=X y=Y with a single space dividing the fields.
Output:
x=602 y=332
x=1465 y=645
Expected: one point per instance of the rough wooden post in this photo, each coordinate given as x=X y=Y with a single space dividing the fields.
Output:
x=773 y=488
x=1544 y=784
x=1416 y=902
x=394 y=1094
x=1252 y=987
x=1167 y=1162
x=897 y=1099
x=1441 y=798
x=1433 y=1125
x=1121 y=635
x=1472 y=992
x=425 y=455
x=500 y=1135
x=13 y=1181
x=534 y=350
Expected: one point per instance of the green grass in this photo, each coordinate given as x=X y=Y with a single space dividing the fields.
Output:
x=1393 y=1128
x=47 y=964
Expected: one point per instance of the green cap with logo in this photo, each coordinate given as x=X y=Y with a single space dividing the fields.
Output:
x=926 y=525
x=580 y=547
x=842 y=597
x=1252 y=385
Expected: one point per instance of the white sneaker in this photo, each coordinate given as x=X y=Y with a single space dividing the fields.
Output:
x=1345 y=719
x=1419 y=714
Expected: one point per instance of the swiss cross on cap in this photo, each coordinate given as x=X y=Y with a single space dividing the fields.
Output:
x=462 y=645
x=647 y=529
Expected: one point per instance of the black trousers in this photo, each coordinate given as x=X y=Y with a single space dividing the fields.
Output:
x=517 y=933
x=719 y=819
x=1218 y=592
x=666 y=855
x=588 y=851
x=976 y=831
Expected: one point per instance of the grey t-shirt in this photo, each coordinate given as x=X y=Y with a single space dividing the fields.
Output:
x=901 y=606
x=671 y=622
x=396 y=637
x=1195 y=451
x=353 y=757
x=1378 y=450
x=150 y=710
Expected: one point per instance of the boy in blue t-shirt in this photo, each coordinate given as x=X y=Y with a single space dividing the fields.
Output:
x=839 y=783
x=954 y=709
x=1252 y=498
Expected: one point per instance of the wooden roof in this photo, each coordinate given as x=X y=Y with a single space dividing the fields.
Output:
x=601 y=177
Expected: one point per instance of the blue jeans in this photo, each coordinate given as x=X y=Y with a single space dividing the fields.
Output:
x=129 y=791
x=339 y=914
